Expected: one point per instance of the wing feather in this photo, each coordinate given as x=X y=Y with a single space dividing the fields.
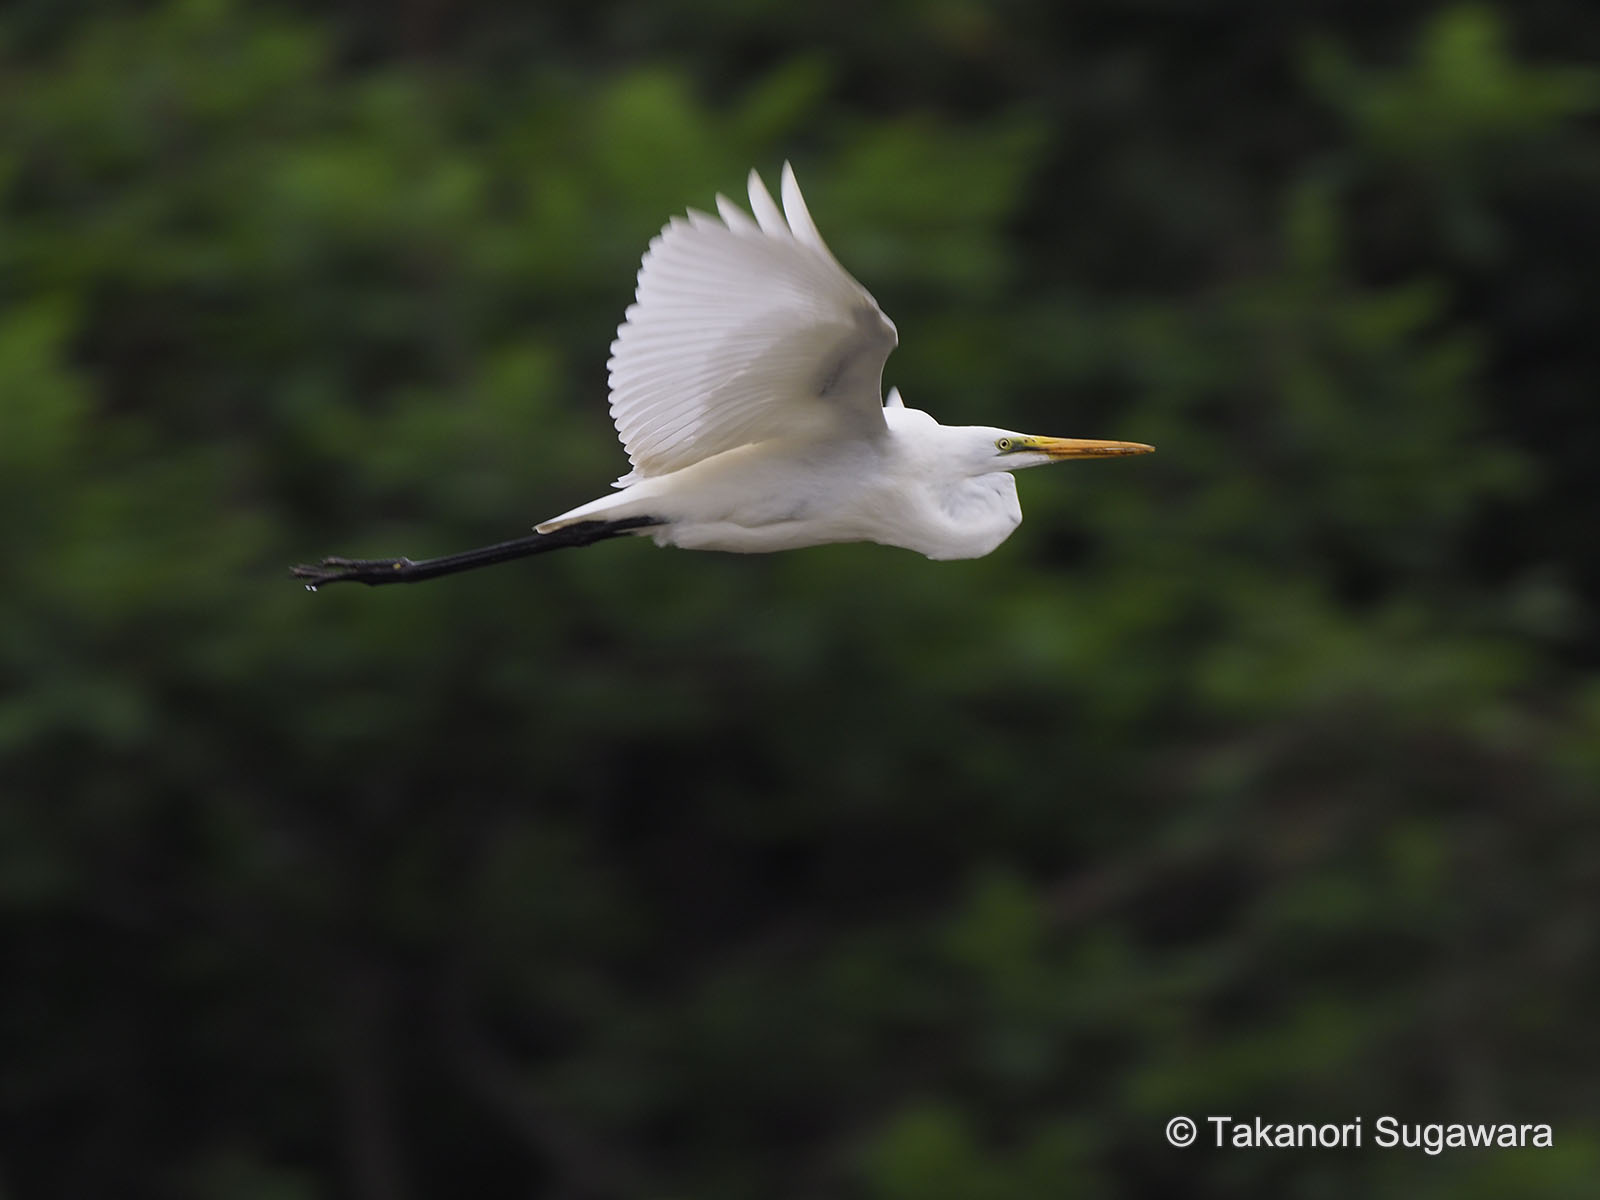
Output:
x=766 y=212
x=738 y=220
x=799 y=217
x=744 y=330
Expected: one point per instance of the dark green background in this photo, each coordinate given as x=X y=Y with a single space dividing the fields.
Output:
x=1255 y=777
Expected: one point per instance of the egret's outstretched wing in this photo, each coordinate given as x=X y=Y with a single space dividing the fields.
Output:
x=743 y=331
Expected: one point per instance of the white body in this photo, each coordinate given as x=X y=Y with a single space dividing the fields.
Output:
x=746 y=387
x=786 y=493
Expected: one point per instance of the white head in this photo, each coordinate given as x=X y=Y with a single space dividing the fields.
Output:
x=1005 y=450
x=970 y=450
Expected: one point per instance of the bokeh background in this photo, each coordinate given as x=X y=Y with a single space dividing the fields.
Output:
x=1256 y=777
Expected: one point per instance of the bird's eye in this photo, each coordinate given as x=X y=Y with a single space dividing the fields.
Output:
x=1002 y=444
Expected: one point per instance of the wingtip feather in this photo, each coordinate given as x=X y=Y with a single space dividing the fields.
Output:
x=799 y=217
x=765 y=209
x=734 y=217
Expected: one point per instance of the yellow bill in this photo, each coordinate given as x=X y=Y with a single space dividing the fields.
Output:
x=1082 y=447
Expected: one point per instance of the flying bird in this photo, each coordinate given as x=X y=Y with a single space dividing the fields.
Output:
x=745 y=385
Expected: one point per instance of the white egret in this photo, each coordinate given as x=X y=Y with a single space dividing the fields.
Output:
x=745 y=385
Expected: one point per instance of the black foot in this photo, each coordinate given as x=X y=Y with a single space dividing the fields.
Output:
x=373 y=571
x=334 y=569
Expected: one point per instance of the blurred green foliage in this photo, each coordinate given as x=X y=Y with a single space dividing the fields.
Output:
x=1258 y=777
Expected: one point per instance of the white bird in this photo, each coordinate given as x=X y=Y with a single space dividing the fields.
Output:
x=745 y=386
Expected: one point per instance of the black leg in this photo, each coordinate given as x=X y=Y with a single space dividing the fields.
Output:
x=373 y=571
